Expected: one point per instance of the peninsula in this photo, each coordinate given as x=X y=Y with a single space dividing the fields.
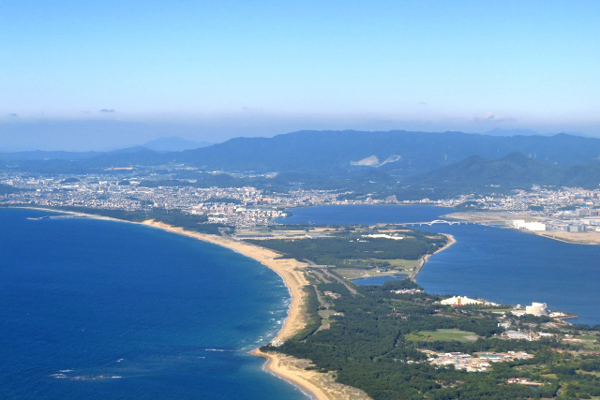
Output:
x=342 y=341
x=298 y=272
x=576 y=232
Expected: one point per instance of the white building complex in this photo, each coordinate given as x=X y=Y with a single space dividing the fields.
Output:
x=529 y=226
x=461 y=301
x=537 y=309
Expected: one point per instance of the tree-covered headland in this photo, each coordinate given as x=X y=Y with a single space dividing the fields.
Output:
x=386 y=339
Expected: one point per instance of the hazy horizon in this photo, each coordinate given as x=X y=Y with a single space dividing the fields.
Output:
x=91 y=76
x=98 y=135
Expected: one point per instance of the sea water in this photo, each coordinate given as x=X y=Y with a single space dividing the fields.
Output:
x=93 y=309
x=500 y=265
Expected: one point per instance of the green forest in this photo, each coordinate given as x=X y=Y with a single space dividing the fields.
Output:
x=351 y=245
x=366 y=347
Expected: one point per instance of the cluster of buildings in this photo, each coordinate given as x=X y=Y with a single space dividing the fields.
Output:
x=535 y=309
x=536 y=199
x=235 y=206
x=523 y=381
x=579 y=220
x=519 y=335
x=407 y=291
x=529 y=226
x=458 y=301
x=479 y=362
x=142 y=191
x=383 y=236
x=566 y=209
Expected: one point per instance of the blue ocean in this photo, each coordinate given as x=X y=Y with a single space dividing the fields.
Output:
x=94 y=309
x=500 y=265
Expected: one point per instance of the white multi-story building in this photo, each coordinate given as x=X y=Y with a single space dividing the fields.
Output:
x=461 y=301
x=537 y=309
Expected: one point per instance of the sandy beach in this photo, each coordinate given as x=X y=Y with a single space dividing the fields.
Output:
x=450 y=242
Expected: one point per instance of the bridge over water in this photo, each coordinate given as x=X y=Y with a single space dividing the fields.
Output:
x=434 y=222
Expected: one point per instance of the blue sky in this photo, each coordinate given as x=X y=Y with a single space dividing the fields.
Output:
x=214 y=70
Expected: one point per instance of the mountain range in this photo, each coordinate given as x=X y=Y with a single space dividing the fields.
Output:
x=160 y=145
x=173 y=143
x=402 y=162
x=513 y=171
x=400 y=153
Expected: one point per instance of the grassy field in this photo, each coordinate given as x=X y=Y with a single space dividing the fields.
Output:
x=359 y=268
x=589 y=341
x=399 y=263
x=551 y=376
x=445 y=335
x=498 y=310
x=588 y=373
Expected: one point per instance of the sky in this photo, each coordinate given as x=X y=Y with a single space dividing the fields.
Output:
x=97 y=75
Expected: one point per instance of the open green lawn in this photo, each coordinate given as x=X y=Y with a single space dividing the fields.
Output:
x=397 y=263
x=445 y=335
x=400 y=263
x=551 y=376
x=498 y=310
x=588 y=373
x=589 y=341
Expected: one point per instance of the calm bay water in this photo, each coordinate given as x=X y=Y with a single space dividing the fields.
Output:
x=94 y=309
x=500 y=265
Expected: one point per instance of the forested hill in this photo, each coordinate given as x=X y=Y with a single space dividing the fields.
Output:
x=514 y=171
x=399 y=153
x=410 y=165
x=381 y=340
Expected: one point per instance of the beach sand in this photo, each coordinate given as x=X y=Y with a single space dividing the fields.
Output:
x=320 y=386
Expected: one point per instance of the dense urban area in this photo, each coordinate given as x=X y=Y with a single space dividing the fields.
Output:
x=558 y=209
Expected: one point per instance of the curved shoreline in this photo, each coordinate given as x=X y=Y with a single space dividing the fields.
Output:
x=316 y=386
x=293 y=279
x=502 y=220
x=425 y=258
x=288 y=269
